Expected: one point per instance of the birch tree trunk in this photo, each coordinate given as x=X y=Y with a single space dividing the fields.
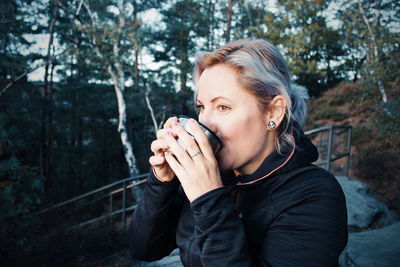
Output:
x=375 y=58
x=119 y=88
x=117 y=74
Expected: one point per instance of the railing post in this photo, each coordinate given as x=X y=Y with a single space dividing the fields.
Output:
x=111 y=209
x=328 y=162
x=124 y=205
x=348 y=149
x=321 y=140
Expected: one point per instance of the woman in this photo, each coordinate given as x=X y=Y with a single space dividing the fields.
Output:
x=259 y=201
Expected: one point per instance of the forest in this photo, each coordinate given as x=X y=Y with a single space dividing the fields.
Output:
x=85 y=84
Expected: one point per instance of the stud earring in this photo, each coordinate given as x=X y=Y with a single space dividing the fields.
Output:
x=271 y=125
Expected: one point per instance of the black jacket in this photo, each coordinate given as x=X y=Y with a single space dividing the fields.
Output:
x=287 y=213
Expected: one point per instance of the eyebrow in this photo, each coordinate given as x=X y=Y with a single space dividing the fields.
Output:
x=215 y=99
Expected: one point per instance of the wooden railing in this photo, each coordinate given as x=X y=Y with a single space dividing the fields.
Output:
x=116 y=200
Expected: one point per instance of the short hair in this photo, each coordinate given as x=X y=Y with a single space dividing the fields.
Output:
x=264 y=73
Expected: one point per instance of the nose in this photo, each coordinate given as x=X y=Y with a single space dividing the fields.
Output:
x=208 y=120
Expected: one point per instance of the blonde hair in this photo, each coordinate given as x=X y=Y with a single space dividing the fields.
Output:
x=263 y=72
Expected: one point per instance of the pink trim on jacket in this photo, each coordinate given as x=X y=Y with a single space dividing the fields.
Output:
x=274 y=170
x=158 y=178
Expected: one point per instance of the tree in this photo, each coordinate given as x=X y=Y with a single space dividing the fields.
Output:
x=47 y=94
x=184 y=24
x=228 y=21
x=369 y=28
x=312 y=45
x=109 y=30
x=16 y=22
x=21 y=185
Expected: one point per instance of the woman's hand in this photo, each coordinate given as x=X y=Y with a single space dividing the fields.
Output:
x=159 y=146
x=195 y=166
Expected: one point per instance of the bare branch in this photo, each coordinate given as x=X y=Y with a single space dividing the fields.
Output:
x=162 y=119
x=91 y=15
x=79 y=8
x=20 y=77
x=376 y=76
x=362 y=11
x=32 y=70
x=377 y=13
x=153 y=117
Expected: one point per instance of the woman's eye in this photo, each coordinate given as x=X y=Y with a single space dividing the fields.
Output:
x=223 y=108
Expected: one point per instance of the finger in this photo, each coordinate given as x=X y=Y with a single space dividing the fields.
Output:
x=161 y=133
x=158 y=146
x=186 y=139
x=170 y=121
x=176 y=167
x=201 y=139
x=156 y=160
x=178 y=151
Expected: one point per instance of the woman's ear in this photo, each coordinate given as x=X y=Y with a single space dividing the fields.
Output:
x=276 y=112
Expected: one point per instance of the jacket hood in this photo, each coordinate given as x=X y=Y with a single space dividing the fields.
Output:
x=302 y=153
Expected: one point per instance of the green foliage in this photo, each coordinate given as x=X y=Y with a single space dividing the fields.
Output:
x=389 y=125
x=365 y=163
x=361 y=135
x=312 y=46
x=184 y=24
x=321 y=110
x=374 y=48
x=346 y=93
x=21 y=188
x=21 y=185
x=18 y=20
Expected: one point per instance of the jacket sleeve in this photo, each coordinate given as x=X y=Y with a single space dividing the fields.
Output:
x=308 y=229
x=310 y=226
x=153 y=226
x=219 y=230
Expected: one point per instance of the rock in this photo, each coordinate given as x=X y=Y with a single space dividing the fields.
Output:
x=377 y=248
x=363 y=208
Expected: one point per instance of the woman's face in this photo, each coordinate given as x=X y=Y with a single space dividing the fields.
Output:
x=233 y=114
